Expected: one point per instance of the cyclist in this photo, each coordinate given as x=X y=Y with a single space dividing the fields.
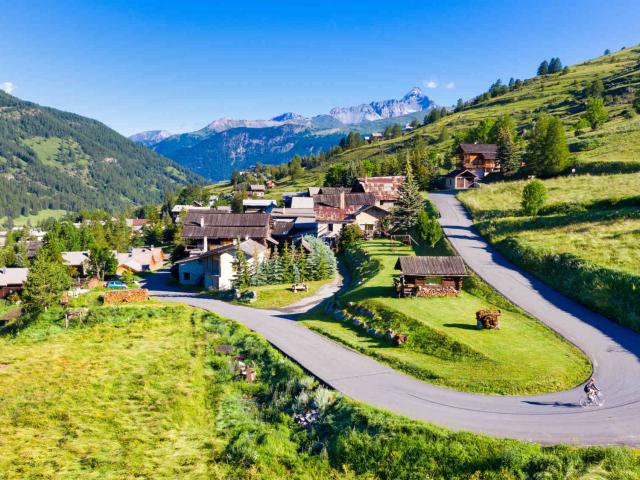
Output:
x=591 y=390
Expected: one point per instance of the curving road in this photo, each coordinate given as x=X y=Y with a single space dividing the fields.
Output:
x=549 y=418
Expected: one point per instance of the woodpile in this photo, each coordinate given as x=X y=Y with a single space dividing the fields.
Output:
x=433 y=291
x=126 y=296
x=299 y=287
x=489 y=319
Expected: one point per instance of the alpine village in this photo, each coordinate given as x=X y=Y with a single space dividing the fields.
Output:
x=395 y=290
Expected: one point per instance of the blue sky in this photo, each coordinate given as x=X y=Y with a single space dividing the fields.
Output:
x=141 y=65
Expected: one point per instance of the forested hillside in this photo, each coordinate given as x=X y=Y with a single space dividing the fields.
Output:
x=54 y=160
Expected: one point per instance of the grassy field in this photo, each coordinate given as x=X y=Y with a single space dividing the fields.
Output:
x=35 y=219
x=522 y=357
x=585 y=242
x=309 y=178
x=139 y=391
x=277 y=296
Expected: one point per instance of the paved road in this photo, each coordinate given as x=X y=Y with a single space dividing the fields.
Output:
x=550 y=418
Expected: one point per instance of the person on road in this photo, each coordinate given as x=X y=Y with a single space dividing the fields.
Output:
x=590 y=389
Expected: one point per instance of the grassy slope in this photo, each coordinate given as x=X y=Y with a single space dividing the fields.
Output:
x=139 y=392
x=276 y=296
x=553 y=94
x=522 y=357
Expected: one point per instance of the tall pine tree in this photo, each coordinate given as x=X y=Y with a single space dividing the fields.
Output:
x=404 y=214
x=507 y=156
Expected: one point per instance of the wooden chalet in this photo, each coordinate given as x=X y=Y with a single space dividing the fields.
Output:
x=205 y=230
x=12 y=280
x=430 y=276
x=479 y=158
x=257 y=190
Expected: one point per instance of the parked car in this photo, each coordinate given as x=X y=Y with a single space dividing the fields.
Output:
x=116 y=284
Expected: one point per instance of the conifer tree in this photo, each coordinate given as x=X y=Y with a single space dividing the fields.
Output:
x=241 y=269
x=405 y=212
x=543 y=69
x=276 y=268
x=459 y=105
x=46 y=282
x=301 y=263
x=547 y=152
x=506 y=156
x=287 y=264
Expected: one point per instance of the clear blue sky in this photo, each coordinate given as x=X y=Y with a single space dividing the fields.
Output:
x=139 y=65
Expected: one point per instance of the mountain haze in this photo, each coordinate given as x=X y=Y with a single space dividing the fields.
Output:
x=229 y=144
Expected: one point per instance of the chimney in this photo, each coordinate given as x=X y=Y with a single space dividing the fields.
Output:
x=202 y=222
x=342 y=202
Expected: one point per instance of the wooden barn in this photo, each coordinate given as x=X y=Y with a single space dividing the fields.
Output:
x=431 y=276
x=460 y=179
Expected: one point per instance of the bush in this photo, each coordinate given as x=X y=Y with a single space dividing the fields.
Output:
x=349 y=236
x=586 y=145
x=534 y=195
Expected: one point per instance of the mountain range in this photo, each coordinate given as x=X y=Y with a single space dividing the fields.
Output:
x=228 y=144
x=55 y=160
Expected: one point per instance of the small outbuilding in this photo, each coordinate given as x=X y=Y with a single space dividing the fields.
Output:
x=432 y=276
x=460 y=179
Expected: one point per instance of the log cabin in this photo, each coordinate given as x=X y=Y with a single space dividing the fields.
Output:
x=432 y=276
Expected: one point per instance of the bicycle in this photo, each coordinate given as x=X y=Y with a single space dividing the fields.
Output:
x=594 y=399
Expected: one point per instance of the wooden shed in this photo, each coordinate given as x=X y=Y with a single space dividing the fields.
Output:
x=430 y=276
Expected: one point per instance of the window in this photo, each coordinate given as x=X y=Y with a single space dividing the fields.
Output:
x=186 y=275
x=215 y=266
x=330 y=227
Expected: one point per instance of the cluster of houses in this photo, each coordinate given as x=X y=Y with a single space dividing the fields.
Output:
x=137 y=260
x=212 y=237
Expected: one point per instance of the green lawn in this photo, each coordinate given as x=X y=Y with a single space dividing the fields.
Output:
x=140 y=391
x=35 y=219
x=277 y=296
x=522 y=357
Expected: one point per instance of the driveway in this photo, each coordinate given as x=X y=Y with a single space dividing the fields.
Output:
x=549 y=418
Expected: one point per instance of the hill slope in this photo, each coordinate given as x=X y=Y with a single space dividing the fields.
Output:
x=57 y=160
x=617 y=143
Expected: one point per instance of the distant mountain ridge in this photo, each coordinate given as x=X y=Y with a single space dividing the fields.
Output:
x=150 y=137
x=227 y=144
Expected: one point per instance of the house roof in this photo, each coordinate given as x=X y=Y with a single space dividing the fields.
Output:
x=249 y=247
x=260 y=202
x=75 y=259
x=226 y=225
x=302 y=202
x=428 y=266
x=350 y=199
x=257 y=188
x=384 y=188
x=487 y=150
x=33 y=246
x=332 y=190
x=461 y=171
x=282 y=229
x=13 y=276
x=138 y=258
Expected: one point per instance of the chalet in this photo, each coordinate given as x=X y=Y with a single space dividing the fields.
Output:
x=386 y=189
x=12 y=280
x=77 y=261
x=370 y=217
x=460 y=179
x=136 y=224
x=214 y=268
x=257 y=190
x=332 y=211
x=430 y=276
x=258 y=205
x=178 y=209
x=375 y=137
x=203 y=231
x=143 y=259
x=270 y=184
x=479 y=158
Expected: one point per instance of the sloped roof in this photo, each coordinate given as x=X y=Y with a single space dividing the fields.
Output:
x=333 y=190
x=226 y=225
x=302 y=202
x=249 y=247
x=487 y=150
x=13 y=276
x=460 y=171
x=433 y=265
x=75 y=259
x=384 y=188
x=257 y=188
x=350 y=199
